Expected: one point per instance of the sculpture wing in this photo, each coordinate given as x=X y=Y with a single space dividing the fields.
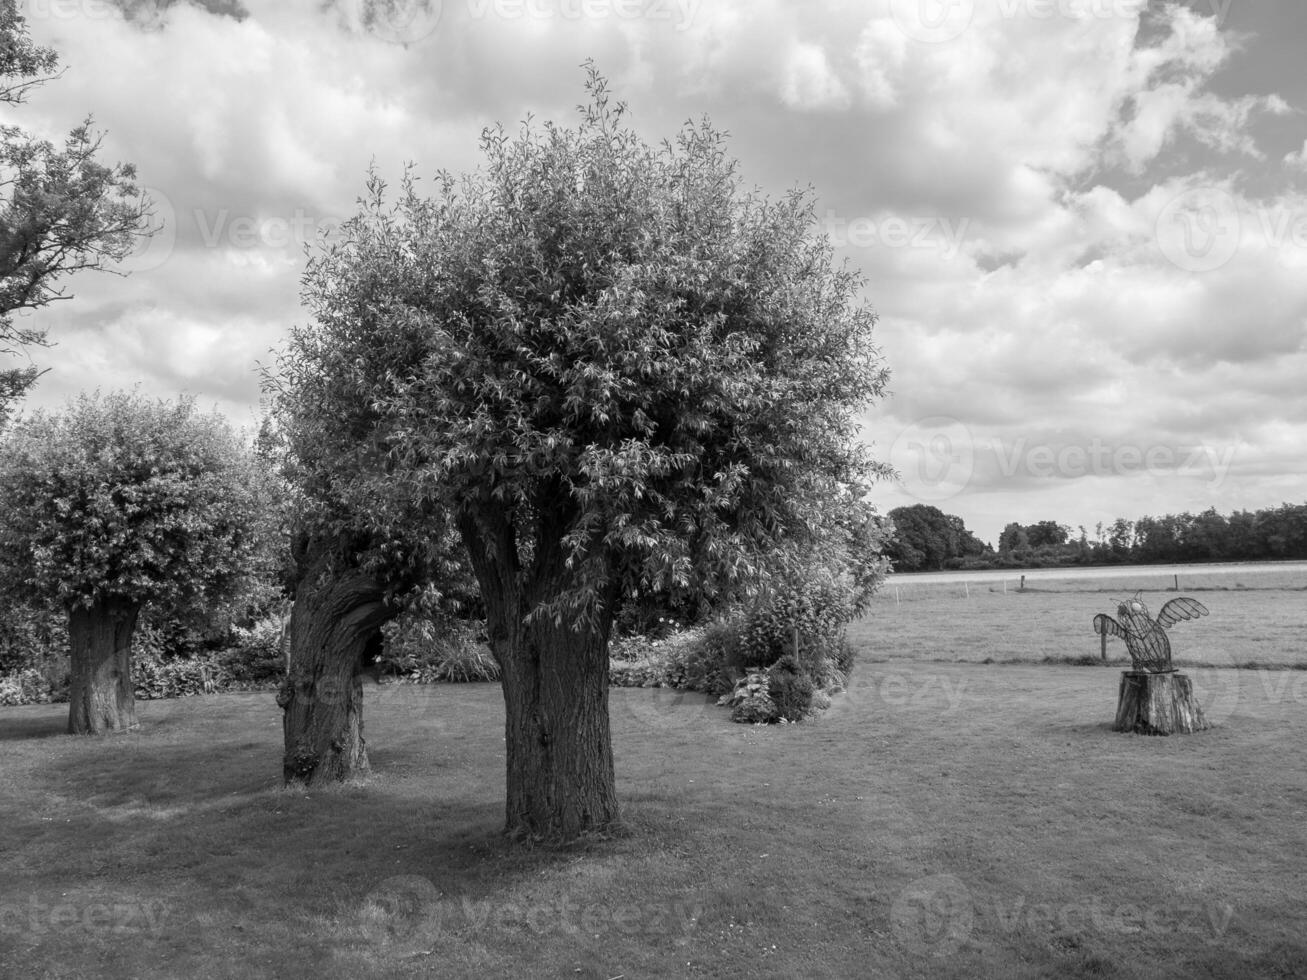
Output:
x=1178 y=609
x=1106 y=624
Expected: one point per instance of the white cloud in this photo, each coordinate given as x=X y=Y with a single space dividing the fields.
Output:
x=1030 y=158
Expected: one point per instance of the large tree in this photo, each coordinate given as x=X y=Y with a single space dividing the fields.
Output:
x=925 y=538
x=613 y=368
x=122 y=502
x=61 y=210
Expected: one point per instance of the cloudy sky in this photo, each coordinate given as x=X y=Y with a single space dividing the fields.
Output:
x=1082 y=222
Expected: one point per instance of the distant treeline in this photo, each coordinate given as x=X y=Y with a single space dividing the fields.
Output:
x=927 y=539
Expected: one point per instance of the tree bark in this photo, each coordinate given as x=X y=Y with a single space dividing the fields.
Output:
x=335 y=615
x=560 y=779
x=1157 y=704
x=101 y=695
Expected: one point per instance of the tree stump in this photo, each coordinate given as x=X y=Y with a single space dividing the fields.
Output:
x=1157 y=704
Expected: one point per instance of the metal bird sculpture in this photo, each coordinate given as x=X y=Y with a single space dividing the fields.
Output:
x=1145 y=638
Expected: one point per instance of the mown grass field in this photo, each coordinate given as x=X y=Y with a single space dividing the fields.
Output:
x=1256 y=617
x=940 y=820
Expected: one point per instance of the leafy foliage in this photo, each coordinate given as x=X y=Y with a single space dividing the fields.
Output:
x=61 y=210
x=125 y=499
x=423 y=649
x=642 y=375
x=927 y=538
x=751 y=701
x=791 y=689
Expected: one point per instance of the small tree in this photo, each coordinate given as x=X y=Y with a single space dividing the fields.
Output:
x=61 y=210
x=122 y=502
x=614 y=369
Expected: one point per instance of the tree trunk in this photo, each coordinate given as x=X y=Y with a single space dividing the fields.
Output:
x=335 y=616
x=101 y=696
x=1157 y=704
x=559 y=747
x=559 y=750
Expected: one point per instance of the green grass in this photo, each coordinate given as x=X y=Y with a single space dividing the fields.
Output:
x=940 y=820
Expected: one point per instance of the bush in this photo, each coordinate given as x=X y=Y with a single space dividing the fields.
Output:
x=649 y=671
x=466 y=663
x=253 y=658
x=791 y=689
x=156 y=677
x=751 y=702
x=421 y=650
x=27 y=686
x=706 y=663
x=819 y=607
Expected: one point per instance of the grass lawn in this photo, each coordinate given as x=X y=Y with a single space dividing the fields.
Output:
x=940 y=820
x=925 y=621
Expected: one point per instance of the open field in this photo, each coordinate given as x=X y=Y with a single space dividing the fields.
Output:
x=941 y=820
x=1257 y=616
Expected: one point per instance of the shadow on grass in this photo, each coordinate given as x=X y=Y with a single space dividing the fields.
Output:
x=36 y=721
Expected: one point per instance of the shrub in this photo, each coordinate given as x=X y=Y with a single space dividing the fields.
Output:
x=26 y=686
x=819 y=606
x=253 y=657
x=790 y=688
x=156 y=677
x=751 y=702
x=706 y=663
x=466 y=663
x=421 y=650
x=649 y=671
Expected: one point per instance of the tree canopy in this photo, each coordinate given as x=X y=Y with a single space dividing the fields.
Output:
x=925 y=538
x=61 y=210
x=613 y=369
x=125 y=499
